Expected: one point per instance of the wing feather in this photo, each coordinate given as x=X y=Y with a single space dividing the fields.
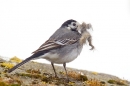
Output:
x=58 y=42
x=54 y=44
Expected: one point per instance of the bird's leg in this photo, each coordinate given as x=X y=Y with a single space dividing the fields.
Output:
x=54 y=69
x=64 y=64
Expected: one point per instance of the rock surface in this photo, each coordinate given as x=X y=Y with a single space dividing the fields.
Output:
x=37 y=74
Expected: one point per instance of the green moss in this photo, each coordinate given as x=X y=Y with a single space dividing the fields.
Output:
x=30 y=75
x=3 y=84
x=120 y=83
x=61 y=72
x=83 y=78
x=102 y=82
x=111 y=81
x=42 y=77
x=45 y=79
x=15 y=85
x=116 y=82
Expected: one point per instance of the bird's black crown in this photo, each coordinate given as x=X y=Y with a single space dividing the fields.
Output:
x=66 y=23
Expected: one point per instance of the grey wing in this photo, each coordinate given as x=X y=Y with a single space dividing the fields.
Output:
x=61 y=40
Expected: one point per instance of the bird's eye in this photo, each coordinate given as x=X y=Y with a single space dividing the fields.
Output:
x=74 y=24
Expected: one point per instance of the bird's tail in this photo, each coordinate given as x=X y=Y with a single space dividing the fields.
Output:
x=34 y=56
x=20 y=64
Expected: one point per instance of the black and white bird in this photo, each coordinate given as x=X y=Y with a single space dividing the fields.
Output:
x=62 y=47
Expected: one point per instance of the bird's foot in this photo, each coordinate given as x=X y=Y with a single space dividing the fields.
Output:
x=56 y=76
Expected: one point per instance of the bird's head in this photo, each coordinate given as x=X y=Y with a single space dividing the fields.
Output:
x=71 y=25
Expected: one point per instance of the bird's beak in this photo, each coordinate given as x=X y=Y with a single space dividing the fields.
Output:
x=79 y=29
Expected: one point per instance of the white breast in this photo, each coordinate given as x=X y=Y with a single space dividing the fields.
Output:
x=60 y=59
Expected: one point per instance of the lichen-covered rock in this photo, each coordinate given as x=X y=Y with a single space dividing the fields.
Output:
x=37 y=74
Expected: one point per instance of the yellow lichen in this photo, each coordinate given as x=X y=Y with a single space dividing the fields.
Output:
x=94 y=82
x=95 y=73
x=15 y=59
x=71 y=84
x=43 y=82
x=7 y=65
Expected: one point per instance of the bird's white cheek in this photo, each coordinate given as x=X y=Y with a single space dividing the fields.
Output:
x=68 y=28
